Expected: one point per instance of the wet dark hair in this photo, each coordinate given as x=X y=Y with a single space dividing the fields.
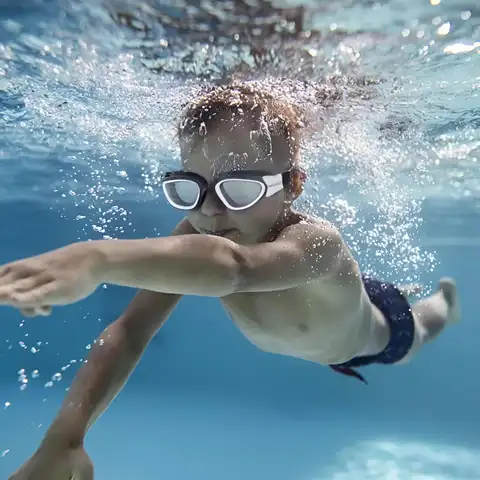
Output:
x=270 y=115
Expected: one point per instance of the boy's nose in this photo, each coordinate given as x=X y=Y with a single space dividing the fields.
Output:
x=212 y=205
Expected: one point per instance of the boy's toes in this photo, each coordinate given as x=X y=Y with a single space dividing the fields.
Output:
x=448 y=287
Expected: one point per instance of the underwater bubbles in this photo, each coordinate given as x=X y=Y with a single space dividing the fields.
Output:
x=99 y=100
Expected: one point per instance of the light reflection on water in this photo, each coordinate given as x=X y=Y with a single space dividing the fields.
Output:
x=390 y=87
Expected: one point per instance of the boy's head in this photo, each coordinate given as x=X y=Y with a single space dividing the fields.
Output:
x=242 y=147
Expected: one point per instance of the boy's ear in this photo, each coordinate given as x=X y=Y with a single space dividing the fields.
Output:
x=298 y=177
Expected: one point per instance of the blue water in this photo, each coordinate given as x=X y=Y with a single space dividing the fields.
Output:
x=85 y=129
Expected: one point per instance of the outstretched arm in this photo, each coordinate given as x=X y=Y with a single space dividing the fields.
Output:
x=215 y=266
x=187 y=264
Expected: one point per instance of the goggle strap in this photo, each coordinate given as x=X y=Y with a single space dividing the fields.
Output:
x=274 y=184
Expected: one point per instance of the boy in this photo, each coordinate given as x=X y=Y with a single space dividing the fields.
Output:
x=288 y=281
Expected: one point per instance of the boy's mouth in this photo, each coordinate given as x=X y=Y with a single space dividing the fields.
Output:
x=217 y=233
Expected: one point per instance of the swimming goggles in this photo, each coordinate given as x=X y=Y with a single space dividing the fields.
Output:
x=236 y=190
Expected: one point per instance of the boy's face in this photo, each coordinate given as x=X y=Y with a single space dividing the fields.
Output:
x=229 y=148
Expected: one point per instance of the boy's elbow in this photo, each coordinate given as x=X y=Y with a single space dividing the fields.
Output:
x=241 y=271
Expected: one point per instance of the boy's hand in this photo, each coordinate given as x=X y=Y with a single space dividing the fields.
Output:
x=56 y=463
x=60 y=277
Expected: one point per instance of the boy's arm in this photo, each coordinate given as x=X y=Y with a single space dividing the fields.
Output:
x=112 y=359
x=110 y=362
x=185 y=265
x=215 y=266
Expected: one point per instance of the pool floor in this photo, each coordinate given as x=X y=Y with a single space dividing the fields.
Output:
x=178 y=434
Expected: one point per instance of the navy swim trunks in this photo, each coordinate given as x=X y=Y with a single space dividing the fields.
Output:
x=398 y=314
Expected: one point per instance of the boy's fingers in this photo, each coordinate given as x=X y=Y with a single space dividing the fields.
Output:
x=43 y=311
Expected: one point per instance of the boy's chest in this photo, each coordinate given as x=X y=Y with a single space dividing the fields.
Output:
x=296 y=322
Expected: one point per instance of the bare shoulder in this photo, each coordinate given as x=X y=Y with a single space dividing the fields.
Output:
x=315 y=235
x=324 y=248
x=311 y=226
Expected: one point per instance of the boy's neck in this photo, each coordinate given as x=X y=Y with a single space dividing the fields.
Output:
x=289 y=217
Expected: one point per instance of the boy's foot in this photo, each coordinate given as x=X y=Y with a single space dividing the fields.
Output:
x=448 y=287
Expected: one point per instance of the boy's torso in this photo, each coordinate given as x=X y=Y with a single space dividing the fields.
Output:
x=321 y=321
x=327 y=321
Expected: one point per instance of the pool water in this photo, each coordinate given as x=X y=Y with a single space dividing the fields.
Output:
x=88 y=109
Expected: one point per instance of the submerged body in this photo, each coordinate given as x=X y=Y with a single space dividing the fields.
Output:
x=326 y=321
x=332 y=320
x=288 y=281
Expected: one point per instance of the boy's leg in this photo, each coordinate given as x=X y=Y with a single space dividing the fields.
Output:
x=433 y=313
